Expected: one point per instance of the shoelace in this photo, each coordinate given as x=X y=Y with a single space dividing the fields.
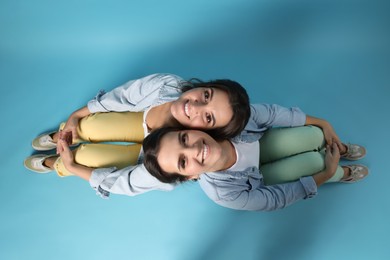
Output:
x=353 y=151
x=46 y=141
x=356 y=172
x=38 y=163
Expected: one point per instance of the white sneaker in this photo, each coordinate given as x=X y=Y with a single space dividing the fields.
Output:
x=357 y=173
x=354 y=152
x=35 y=163
x=44 y=142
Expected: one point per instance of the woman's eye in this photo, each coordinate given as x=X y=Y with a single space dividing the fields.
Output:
x=182 y=163
x=184 y=138
x=208 y=118
x=206 y=95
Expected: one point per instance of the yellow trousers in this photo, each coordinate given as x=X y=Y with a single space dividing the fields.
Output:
x=107 y=127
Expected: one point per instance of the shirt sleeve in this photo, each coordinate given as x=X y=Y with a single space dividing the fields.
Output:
x=268 y=115
x=242 y=196
x=134 y=95
x=130 y=181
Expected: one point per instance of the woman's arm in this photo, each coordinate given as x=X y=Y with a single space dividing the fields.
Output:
x=73 y=121
x=137 y=95
x=268 y=115
x=67 y=157
x=130 y=181
x=329 y=133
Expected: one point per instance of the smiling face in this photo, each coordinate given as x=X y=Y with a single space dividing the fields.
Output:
x=189 y=153
x=203 y=108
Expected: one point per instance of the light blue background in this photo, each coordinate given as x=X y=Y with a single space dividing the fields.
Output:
x=331 y=58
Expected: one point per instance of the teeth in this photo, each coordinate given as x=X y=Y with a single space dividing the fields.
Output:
x=205 y=151
x=186 y=110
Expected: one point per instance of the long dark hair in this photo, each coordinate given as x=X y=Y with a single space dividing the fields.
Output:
x=151 y=148
x=239 y=102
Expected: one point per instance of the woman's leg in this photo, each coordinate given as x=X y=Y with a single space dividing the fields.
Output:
x=278 y=143
x=294 y=167
x=101 y=156
x=110 y=127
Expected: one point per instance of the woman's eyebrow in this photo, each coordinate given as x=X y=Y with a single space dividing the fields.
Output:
x=213 y=119
x=211 y=93
x=178 y=160
x=178 y=164
x=211 y=98
x=178 y=137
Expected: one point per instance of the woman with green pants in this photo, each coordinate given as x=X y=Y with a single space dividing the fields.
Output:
x=284 y=166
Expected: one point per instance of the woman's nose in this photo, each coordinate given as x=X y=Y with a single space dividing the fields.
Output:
x=197 y=108
x=194 y=150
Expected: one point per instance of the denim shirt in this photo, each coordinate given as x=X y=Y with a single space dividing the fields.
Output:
x=266 y=116
x=130 y=181
x=245 y=190
x=156 y=89
x=139 y=95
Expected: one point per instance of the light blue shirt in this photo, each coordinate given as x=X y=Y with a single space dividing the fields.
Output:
x=139 y=95
x=243 y=190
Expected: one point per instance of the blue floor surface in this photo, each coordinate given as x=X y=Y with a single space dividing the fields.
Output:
x=330 y=58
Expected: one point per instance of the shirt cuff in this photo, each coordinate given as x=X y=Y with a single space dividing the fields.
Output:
x=299 y=117
x=96 y=179
x=94 y=105
x=309 y=186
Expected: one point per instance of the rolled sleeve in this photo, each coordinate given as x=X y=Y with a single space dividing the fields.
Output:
x=309 y=186
x=99 y=178
x=298 y=117
x=253 y=195
x=94 y=105
x=136 y=95
x=268 y=198
x=130 y=181
x=269 y=115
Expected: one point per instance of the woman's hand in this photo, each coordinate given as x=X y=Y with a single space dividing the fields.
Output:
x=73 y=121
x=66 y=154
x=332 y=159
x=67 y=157
x=329 y=133
x=71 y=126
x=65 y=136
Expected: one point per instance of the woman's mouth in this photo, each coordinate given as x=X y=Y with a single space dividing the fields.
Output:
x=186 y=109
x=205 y=152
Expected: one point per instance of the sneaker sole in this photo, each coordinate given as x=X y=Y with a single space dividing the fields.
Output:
x=353 y=159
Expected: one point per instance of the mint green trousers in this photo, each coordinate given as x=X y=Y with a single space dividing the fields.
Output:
x=286 y=154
